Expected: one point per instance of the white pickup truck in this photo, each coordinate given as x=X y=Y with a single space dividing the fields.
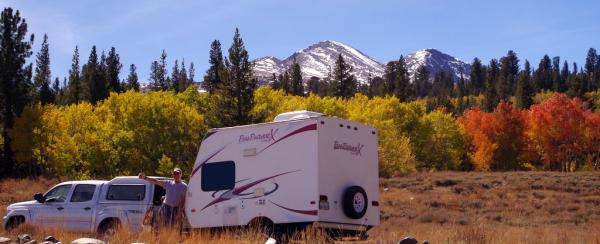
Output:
x=89 y=206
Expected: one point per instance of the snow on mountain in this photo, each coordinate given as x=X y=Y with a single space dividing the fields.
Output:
x=435 y=60
x=319 y=59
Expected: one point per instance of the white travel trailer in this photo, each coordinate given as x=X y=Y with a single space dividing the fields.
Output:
x=302 y=168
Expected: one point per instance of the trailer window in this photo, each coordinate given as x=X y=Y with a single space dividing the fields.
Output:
x=126 y=192
x=218 y=176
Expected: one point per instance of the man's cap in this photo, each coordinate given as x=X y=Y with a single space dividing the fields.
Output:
x=177 y=170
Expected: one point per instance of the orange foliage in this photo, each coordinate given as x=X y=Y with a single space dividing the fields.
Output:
x=565 y=133
x=497 y=139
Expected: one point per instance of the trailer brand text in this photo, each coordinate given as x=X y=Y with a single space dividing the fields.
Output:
x=262 y=137
x=354 y=150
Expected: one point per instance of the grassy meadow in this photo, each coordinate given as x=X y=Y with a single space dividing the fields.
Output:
x=441 y=207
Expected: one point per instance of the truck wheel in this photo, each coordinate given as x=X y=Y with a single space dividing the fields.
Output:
x=354 y=202
x=109 y=227
x=13 y=222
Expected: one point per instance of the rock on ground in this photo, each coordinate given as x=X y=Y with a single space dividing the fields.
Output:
x=408 y=240
x=87 y=241
x=4 y=240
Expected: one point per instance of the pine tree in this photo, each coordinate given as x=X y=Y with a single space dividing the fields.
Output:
x=442 y=86
x=132 y=79
x=524 y=93
x=285 y=83
x=93 y=78
x=558 y=84
x=213 y=78
x=184 y=82
x=389 y=78
x=75 y=90
x=509 y=70
x=491 y=98
x=314 y=85
x=42 y=77
x=576 y=83
x=376 y=87
x=344 y=82
x=241 y=82
x=100 y=91
x=477 y=77
x=421 y=82
x=46 y=95
x=113 y=68
x=158 y=74
x=592 y=70
x=564 y=76
x=15 y=78
x=543 y=74
x=57 y=91
x=192 y=73
x=274 y=82
x=175 y=76
x=297 y=88
x=402 y=87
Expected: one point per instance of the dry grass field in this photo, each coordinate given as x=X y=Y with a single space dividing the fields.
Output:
x=441 y=207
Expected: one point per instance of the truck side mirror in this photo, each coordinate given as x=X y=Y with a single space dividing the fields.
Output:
x=39 y=197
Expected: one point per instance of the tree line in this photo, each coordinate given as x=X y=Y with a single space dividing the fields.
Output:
x=501 y=80
x=438 y=123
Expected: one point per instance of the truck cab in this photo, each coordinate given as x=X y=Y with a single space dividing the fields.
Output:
x=88 y=206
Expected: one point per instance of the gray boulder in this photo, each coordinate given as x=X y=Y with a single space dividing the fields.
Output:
x=408 y=240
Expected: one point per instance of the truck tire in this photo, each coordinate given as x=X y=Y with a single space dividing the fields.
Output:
x=109 y=227
x=355 y=202
x=14 y=222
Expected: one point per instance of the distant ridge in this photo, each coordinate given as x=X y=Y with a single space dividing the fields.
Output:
x=319 y=59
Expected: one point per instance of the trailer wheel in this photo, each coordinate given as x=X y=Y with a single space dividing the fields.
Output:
x=354 y=202
x=262 y=224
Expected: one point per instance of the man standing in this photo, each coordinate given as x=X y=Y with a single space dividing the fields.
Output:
x=174 y=196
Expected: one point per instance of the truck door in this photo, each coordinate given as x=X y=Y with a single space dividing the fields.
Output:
x=80 y=208
x=51 y=212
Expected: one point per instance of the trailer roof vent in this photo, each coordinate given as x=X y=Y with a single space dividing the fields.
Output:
x=303 y=114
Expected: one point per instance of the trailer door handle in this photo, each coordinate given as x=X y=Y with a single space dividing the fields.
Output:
x=87 y=208
x=60 y=208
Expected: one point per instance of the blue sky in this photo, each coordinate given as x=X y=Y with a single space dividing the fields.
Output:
x=383 y=30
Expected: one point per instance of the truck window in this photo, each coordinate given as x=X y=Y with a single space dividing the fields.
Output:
x=58 y=194
x=131 y=192
x=159 y=192
x=83 y=193
x=218 y=176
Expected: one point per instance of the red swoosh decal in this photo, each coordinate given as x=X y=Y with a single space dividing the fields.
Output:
x=203 y=163
x=307 y=212
x=236 y=191
x=303 y=129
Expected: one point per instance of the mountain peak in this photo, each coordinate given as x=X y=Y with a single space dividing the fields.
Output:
x=436 y=60
x=318 y=60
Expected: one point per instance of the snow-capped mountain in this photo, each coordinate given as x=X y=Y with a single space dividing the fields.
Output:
x=435 y=60
x=319 y=59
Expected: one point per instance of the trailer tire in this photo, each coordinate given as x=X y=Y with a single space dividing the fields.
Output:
x=355 y=202
x=263 y=224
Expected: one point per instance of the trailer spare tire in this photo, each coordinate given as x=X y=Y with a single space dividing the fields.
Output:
x=355 y=202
